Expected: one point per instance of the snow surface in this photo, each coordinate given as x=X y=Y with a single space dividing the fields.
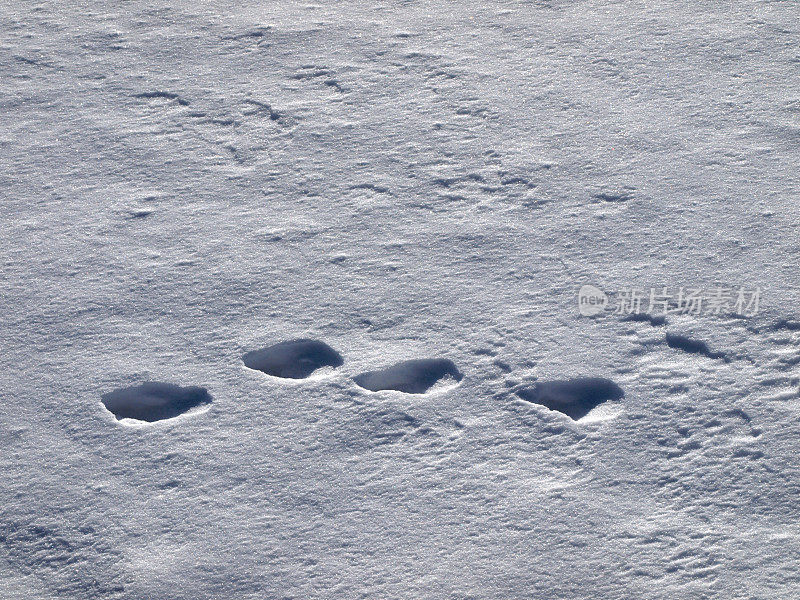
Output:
x=186 y=182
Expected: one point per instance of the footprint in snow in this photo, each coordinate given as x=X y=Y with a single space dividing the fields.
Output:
x=573 y=397
x=410 y=376
x=154 y=401
x=293 y=359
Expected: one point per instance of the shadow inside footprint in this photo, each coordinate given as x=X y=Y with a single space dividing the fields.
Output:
x=573 y=397
x=293 y=359
x=410 y=376
x=154 y=401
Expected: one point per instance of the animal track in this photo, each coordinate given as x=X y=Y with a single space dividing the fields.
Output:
x=786 y=324
x=622 y=195
x=293 y=359
x=687 y=344
x=573 y=397
x=162 y=95
x=379 y=189
x=515 y=180
x=410 y=376
x=654 y=320
x=154 y=401
x=312 y=72
x=264 y=108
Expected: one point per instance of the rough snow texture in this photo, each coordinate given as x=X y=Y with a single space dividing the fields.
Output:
x=185 y=182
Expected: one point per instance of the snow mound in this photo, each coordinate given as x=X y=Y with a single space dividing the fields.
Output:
x=410 y=376
x=154 y=401
x=293 y=359
x=574 y=397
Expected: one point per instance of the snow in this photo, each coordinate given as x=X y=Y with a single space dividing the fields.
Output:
x=186 y=183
